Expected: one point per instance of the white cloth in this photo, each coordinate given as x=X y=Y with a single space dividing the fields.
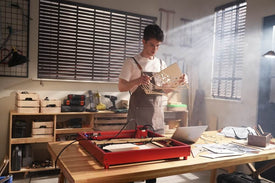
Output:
x=130 y=70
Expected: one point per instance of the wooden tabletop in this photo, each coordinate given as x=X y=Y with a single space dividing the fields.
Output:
x=79 y=166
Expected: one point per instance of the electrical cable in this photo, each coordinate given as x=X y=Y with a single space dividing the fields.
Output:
x=152 y=130
x=119 y=131
x=59 y=154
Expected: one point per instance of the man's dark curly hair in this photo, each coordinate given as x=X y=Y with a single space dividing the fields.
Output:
x=153 y=31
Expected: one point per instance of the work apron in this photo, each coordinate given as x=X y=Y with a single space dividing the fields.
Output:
x=146 y=109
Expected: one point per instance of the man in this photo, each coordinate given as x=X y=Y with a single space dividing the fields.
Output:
x=144 y=109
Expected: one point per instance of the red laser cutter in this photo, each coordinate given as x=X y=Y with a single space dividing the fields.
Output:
x=166 y=148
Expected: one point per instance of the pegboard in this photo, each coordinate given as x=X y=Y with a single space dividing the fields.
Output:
x=14 y=36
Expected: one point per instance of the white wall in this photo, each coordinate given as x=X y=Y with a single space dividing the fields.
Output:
x=245 y=111
x=198 y=59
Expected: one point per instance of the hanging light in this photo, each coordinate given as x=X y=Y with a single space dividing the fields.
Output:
x=269 y=54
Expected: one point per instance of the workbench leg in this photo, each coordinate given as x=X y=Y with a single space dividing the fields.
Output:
x=61 y=178
x=213 y=176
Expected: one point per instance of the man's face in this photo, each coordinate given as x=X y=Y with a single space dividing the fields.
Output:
x=151 y=46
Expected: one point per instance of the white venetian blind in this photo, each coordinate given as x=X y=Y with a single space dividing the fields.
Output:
x=229 y=50
x=83 y=42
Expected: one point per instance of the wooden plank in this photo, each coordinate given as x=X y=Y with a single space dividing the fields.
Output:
x=98 y=115
x=111 y=121
x=31 y=140
x=42 y=131
x=72 y=130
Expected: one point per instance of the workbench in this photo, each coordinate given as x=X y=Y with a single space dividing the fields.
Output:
x=78 y=166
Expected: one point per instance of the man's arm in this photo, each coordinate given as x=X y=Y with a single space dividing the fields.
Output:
x=124 y=85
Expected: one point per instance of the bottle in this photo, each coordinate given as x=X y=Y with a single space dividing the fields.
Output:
x=16 y=159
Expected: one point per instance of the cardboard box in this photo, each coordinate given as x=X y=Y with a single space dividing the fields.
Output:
x=259 y=140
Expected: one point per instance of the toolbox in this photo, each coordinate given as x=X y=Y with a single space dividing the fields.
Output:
x=94 y=143
x=74 y=100
x=259 y=140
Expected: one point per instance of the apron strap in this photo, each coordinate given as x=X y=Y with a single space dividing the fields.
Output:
x=139 y=66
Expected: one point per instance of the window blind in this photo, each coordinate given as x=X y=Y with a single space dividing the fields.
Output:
x=228 y=50
x=84 y=42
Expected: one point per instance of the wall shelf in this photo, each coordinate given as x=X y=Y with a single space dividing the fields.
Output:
x=60 y=128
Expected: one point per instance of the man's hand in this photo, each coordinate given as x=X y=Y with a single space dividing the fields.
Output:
x=183 y=79
x=144 y=79
x=124 y=85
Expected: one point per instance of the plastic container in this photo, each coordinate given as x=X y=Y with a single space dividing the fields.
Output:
x=176 y=107
x=9 y=178
x=16 y=159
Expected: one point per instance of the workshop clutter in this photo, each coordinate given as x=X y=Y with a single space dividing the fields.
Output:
x=29 y=156
x=27 y=102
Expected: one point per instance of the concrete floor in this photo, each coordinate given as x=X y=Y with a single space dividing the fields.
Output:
x=44 y=177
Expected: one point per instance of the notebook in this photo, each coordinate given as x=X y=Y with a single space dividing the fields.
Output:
x=189 y=134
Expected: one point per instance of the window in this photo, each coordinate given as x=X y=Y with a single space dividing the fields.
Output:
x=228 y=50
x=83 y=42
